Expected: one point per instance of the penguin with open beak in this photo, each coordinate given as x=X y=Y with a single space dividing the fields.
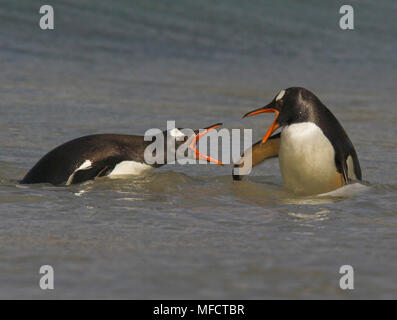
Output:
x=98 y=155
x=315 y=153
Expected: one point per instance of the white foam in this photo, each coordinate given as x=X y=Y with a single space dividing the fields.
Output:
x=347 y=190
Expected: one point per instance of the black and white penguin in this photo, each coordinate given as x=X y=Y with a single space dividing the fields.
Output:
x=99 y=155
x=315 y=153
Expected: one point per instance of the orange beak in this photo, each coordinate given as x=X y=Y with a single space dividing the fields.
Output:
x=193 y=144
x=274 y=125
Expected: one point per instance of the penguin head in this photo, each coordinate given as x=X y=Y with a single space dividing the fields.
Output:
x=291 y=105
x=175 y=138
x=180 y=140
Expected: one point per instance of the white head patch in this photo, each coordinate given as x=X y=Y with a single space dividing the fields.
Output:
x=280 y=95
x=176 y=133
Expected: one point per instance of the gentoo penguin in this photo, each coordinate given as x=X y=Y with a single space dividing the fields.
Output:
x=98 y=155
x=315 y=153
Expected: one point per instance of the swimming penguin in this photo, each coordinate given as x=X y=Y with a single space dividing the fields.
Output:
x=99 y=155
x=315 y=153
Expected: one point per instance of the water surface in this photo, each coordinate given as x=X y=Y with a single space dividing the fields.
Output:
x=191 y=232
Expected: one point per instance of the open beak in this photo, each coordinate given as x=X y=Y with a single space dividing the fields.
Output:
x=193 y=144
x=274 y=125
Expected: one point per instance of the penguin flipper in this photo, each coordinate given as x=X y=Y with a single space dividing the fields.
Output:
x=259 y=152
x=345 y=173
x=347 y=163
x=351 y=168
x=99 y=169
x=90 y=174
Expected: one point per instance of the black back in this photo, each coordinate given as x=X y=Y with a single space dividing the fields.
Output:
x=103 y=150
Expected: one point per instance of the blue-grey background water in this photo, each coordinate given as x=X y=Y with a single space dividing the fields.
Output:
x=190 y=231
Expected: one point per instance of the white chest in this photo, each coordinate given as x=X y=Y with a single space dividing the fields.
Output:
x=129 y=167
x=307 y=159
